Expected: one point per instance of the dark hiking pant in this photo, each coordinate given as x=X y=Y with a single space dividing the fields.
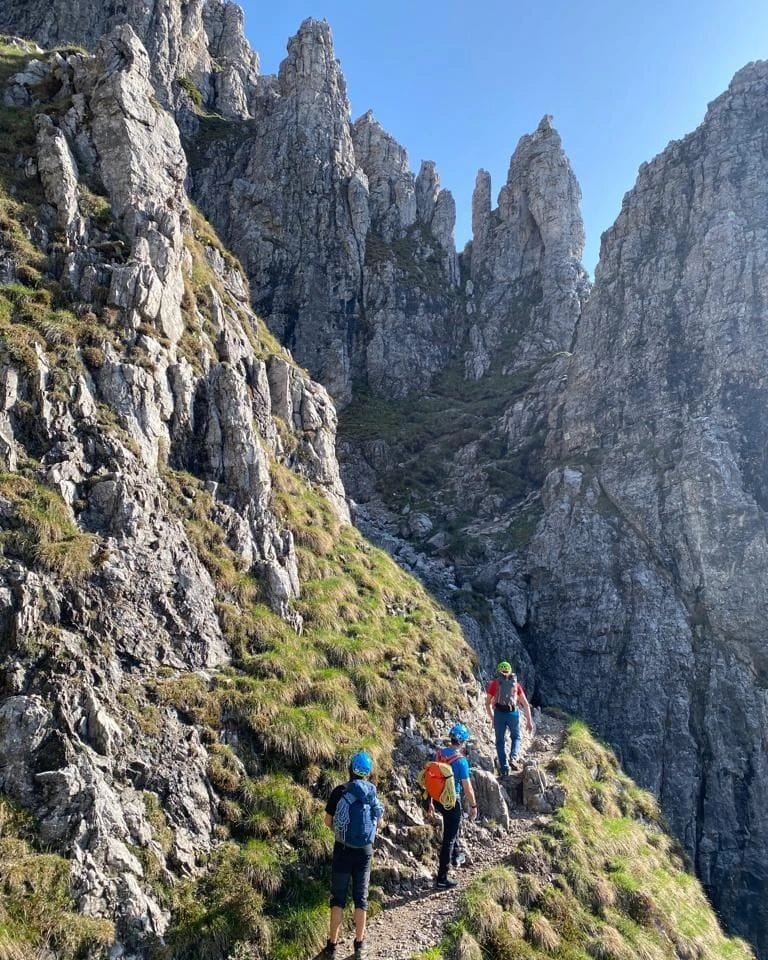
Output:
x=350 y=863
x=451 y=825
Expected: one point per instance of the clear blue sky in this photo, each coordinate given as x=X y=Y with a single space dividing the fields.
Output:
x=460 y=83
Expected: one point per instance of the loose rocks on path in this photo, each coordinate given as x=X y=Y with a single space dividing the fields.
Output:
x=412 y=922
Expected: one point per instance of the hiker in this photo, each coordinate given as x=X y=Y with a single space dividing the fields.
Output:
x=504 y=695
x=451 y=812
x=353 y=811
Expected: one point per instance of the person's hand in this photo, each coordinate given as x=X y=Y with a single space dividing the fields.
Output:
x=473 y=812
x=431 y=811
x=529 y=725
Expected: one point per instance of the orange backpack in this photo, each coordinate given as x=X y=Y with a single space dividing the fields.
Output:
x=438 y=782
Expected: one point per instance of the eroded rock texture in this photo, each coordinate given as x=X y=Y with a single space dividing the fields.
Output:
x=351 y=258
x=647 y=594
x=527 y=251
x=168 y=396
x=190 y=44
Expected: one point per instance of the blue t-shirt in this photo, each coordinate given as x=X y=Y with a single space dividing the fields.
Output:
x=460 y=766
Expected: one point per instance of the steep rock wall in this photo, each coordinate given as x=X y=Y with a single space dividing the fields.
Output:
x=140 y=385
x=190 y=44
x=351 y=258
x=648 y=604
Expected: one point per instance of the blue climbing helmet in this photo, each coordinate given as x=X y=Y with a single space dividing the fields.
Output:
x=459 y=733
x=361 y=764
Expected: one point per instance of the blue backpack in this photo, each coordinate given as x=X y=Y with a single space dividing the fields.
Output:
x=354 y=822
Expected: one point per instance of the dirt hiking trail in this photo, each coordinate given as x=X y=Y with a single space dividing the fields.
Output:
x=409 y=924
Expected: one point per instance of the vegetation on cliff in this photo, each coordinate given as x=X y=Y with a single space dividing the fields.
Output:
x=602 y=880
x=374 y=647
x=37 y=914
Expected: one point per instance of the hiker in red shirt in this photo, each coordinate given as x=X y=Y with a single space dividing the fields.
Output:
x=504 y=695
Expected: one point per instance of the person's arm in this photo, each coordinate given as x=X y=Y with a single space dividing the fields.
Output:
x=378 y=813
x=526 y=710
x=330 y=807
x=469 y=793
x=489 y=701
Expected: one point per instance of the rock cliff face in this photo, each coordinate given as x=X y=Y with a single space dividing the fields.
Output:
x=134 y=385
x=450 y=479
x=351 y=259
x=528 y=249
x=583 y=482
x=289 y=201
x=195 y=47
x=648 y=566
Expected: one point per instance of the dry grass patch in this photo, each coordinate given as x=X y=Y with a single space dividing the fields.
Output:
x=39 y=528
x=37 y=914
x=597 y=880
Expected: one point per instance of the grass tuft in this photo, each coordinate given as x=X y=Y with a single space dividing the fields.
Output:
x=599 y=880
x=38 y=527
x=37 y=913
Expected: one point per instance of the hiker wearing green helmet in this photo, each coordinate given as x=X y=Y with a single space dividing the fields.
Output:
x=504 y=697
x=354 y=811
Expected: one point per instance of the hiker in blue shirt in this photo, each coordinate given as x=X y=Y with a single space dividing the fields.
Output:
x=353 y=811
x=449 y=853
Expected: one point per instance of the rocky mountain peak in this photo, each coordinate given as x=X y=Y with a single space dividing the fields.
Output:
x=539 y=207
x=391 y=188
x=527 y=250
x=311 y=63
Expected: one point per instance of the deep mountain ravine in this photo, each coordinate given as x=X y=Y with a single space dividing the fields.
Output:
x=189 y=619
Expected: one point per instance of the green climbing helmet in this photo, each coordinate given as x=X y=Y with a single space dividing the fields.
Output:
x=504 y=666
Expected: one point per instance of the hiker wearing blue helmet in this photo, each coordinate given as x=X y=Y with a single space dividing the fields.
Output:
x=353 y=811
x=453 y=755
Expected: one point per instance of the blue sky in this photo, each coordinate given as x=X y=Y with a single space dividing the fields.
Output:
x=460 y=83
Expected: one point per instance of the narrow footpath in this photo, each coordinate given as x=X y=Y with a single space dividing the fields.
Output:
x=409 y=925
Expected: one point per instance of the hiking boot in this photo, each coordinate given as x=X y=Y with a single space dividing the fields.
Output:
x=504 y=772
x=445 y=883
x=360 y=950
x=329 y=950
x=516 y=762
x=459 y=858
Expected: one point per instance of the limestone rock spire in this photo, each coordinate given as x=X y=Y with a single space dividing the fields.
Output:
x=390 y=182
x=527 y=251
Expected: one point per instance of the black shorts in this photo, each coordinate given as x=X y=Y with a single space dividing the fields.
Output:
x=350 y=863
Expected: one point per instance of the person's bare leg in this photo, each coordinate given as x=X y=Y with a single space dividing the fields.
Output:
x=336 y=916
x=360 y=916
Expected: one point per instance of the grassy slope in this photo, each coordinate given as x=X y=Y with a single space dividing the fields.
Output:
x=374 y=646
x=603 y=880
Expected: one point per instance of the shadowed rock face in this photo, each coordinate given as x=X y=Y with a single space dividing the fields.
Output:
x=351 y=258
x=648 y=597
x=529 y=247
x=293 y=207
